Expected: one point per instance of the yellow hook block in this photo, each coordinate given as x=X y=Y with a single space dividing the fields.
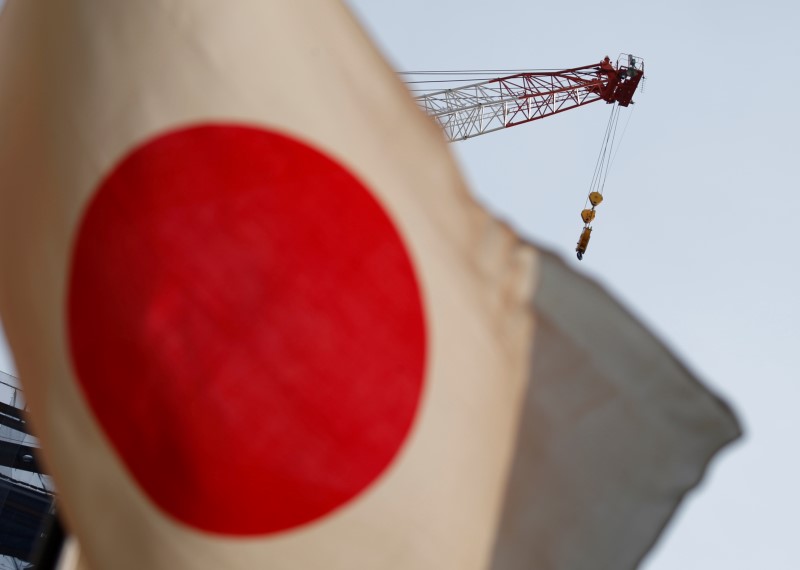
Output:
x=583 y=241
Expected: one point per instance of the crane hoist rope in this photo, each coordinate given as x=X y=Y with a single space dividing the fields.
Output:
x=608 y=153
x=598 y=183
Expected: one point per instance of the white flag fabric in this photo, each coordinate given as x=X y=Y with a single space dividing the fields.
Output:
x=261 y=322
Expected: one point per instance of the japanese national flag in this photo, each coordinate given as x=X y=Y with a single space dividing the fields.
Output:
x=262 y=324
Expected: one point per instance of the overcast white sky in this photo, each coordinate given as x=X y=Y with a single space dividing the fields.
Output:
x=696 y=232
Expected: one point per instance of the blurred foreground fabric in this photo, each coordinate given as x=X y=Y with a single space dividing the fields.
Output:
x=261 y=322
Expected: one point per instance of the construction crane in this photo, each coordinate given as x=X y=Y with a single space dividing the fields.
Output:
x=488 y=103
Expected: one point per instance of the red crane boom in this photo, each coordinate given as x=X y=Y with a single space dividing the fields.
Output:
x=486 y=106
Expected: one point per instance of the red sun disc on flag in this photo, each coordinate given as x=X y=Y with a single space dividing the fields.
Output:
x=246 y=325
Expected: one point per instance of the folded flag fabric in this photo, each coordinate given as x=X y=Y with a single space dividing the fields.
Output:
x=261 y=322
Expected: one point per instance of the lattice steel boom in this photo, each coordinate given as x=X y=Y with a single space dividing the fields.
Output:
x=487 y=106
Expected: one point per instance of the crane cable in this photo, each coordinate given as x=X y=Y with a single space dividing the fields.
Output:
x=422 y=82
x=604 y=161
